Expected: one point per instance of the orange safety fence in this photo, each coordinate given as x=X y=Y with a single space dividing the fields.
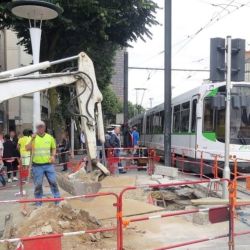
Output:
x=53 y=241
x=134 y=158
x=216 y=214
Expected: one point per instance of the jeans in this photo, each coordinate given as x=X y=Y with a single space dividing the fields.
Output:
x=38 y=172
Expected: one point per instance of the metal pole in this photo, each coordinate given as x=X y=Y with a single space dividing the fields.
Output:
x=72 y=132
x=226 y=171
x=35 y=35
x=167 y=82
x=136 y=100
x=151 y=102
x=125 y=101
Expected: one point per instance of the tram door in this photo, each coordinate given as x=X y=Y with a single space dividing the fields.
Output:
x=193 y=124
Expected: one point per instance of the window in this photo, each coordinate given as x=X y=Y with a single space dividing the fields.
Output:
x=193 y=122
x=162 y=121
x=185 y=110
x=157 y=123
x=208 y=124
x=176 y=119
x=149 y=129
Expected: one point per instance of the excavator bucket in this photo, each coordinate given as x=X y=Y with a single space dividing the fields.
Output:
x=77 y=186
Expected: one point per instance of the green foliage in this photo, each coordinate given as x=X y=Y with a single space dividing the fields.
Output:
x=111 y=104
x=134 y=109
x=98 y=27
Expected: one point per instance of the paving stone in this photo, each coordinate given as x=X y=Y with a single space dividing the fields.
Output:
x=166 y=171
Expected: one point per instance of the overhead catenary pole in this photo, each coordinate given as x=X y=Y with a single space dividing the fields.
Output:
x=125 y=100
x=226 y=170
x=167 y=82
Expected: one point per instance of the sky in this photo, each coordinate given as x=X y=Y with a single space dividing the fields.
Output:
x=194 y=22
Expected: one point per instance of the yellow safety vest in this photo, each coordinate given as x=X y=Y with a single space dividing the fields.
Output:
x=41 y=147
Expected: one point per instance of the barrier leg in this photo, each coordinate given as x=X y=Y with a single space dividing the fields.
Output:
x=119 y=223
x=201 y=166
x=232 y=200
x=21 y=180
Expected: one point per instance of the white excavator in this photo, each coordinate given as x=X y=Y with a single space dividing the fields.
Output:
x=18 y=82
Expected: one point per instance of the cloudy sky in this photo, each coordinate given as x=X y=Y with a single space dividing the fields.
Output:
x=194 y=23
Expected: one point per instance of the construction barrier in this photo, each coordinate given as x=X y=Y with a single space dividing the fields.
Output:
x=217 y=214
x=53 y=241
x=234 y=203
x=131 y=158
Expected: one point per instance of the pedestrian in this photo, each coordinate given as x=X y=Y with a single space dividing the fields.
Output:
x=2 y=180
x=1 y=145
x=136 y=137
x=115 y=143
x=128 y=137
x=13 y=137
x=43 y=152
x=64 y=147
x=82 y=140
x=21 y=145
x=10 y=155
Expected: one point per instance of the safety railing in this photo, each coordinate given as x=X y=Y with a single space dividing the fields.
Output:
x=236 y=203
x=125 y=222
x=131 y=158
x=224 y=213
x=53 y=241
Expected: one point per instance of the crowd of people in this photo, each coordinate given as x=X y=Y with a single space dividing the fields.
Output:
x=13 y=152
x=131 y=139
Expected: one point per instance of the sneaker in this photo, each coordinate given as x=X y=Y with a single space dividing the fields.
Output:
x=9 y=180
x=15 y=179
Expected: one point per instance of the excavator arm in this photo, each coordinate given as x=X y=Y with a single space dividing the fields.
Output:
x=17 y=82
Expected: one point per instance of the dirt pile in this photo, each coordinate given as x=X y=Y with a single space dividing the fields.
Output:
x=51 y=219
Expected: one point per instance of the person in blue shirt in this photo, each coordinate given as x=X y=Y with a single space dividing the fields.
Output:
x=136 y=137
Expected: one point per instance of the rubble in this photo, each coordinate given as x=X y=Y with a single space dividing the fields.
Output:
x=50 y=219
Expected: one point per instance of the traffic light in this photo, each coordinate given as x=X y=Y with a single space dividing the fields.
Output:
x=238 y=60
x=217 y=59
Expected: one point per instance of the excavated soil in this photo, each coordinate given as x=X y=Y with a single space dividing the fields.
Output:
x=50 y=219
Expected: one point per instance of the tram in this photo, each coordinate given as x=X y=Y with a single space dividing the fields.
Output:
x=198 y=125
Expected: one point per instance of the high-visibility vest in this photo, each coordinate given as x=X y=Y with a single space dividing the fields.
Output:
x=41 y=147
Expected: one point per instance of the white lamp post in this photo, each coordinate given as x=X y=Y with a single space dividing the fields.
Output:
x=36 y=12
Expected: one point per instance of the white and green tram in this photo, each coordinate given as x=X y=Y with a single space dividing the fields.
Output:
x=198 y=125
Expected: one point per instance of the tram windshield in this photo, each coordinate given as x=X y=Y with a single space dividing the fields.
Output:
x=214 y=118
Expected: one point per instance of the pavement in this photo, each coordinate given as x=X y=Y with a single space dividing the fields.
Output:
x=150 y=234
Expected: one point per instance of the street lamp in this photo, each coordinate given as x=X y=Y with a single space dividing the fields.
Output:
x=36 y=12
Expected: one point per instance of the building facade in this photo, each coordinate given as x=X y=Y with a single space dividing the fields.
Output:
x=118 y=76
x=17 y=113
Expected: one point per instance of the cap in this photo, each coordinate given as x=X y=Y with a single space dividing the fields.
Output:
x=40 y=123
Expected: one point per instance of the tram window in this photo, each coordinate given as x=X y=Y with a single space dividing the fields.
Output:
x=149 y=124
x=176 y=119
x=157 y=123
x=208 y=123
x=162 y=121
x=185 y=110
x=194 y=107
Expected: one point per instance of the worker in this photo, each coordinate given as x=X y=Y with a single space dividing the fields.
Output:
x=43 y=152
x=115 y=143
x=25 y=154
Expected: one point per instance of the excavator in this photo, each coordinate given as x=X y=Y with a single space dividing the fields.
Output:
x=22 y=81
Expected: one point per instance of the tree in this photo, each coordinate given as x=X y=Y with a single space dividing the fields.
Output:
x=134 y=109
x=98 y=27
